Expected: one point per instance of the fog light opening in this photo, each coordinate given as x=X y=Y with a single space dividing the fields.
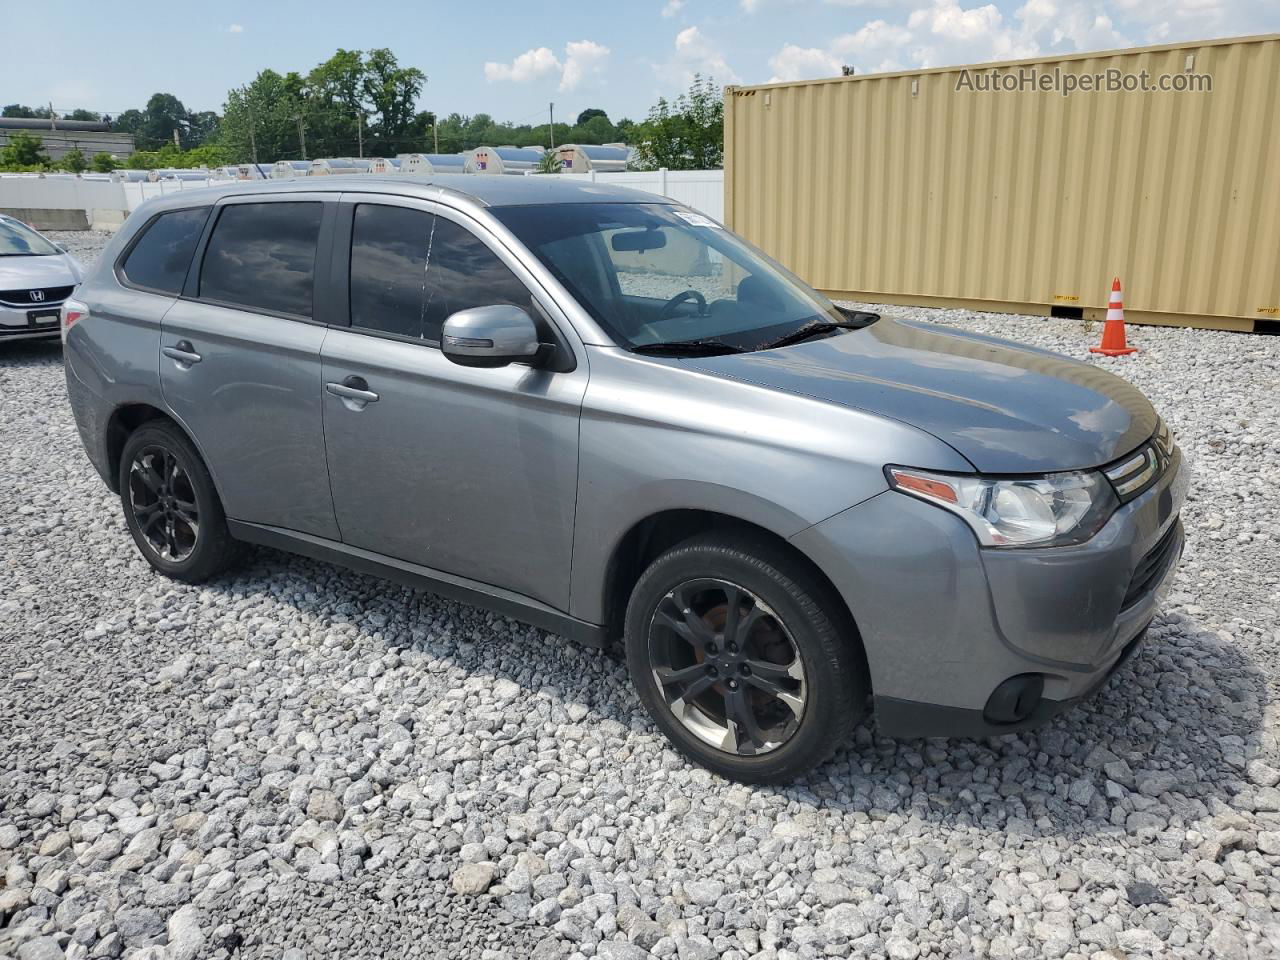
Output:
x=1015 y=699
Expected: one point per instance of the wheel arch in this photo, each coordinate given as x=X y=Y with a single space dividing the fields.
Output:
x=653 y=535
x=125 y=420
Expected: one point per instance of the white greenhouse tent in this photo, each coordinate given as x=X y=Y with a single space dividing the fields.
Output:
x=585 y=157
x=499 y=160
x=425 y=164
x=331 y=166
x=284 y=169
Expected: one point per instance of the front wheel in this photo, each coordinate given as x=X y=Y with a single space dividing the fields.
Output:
x=172 y=507
x=743 y=658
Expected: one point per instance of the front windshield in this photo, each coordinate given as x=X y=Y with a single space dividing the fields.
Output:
x=19 y=240
x=653 y=273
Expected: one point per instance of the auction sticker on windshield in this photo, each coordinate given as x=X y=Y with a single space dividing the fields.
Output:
x=696 y=219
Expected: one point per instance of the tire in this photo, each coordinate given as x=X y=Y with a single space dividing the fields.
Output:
x=779 y=603
x=186 y=536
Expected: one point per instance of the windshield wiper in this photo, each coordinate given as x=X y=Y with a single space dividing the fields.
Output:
x=822 y=326
x=707 y=348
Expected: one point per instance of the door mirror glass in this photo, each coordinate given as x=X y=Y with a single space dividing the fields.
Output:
x=490 y=336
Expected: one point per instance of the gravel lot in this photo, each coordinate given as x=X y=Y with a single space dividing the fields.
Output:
x=297 y=761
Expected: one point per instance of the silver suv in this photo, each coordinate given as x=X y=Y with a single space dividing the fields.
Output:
x=604 y=414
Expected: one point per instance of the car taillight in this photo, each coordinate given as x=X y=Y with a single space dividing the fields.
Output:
x=73 y=311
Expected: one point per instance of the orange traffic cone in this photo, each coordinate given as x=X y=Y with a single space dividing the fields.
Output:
x=1113 y=344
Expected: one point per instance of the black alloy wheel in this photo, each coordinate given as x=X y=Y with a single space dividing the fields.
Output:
x=171 y=505
x=164 y=503
x=745 y=657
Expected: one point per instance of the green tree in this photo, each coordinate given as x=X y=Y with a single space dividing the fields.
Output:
x=73 y=161
x=550 y=163
x=587 y=114
x=687 y=134
x=24 y=152
x=263 y=113
x=23 y=112
x=392 y=92
x=84 y=115
x=202 y=128
x=163 y=115
x=333 y=106
x=103 y=162
x=130 y=122
x=598 y=130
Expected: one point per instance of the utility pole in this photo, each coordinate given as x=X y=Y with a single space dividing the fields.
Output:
x=552 y=117
x=360 y=134
x=176 y=142
x=302 y=136
x=53 y=117
x=253 y=139
x=435 y=134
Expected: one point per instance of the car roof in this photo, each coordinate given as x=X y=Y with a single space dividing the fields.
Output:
x=485 y=190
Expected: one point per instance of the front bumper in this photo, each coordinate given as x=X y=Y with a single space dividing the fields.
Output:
x=15 y=323
x=944 y=622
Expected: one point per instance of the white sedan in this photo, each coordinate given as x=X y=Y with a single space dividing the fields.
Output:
x=36 y=275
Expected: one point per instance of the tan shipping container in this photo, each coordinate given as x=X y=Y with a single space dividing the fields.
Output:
x=901 y=188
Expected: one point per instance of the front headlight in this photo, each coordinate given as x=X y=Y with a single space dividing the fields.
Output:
x=1049 y=511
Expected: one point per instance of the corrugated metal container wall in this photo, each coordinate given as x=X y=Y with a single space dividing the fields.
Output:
x=902 y=188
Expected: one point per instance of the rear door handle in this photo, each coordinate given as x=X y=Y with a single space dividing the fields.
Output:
x=353 y=391
x=183 y=353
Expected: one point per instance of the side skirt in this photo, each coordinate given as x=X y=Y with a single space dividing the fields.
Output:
x=514 y=605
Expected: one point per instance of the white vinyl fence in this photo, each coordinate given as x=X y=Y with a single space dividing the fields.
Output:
x=106 y=203
x=703 y=190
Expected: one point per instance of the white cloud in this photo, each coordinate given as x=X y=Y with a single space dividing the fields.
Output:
x=672 y=8
x=875 y=47
x=1180 y=20
x=530 y=65
x=694 y=53
x=802 y=63
x=939 y=33
x=235 y=28
x=582 y=59
x=945 y=33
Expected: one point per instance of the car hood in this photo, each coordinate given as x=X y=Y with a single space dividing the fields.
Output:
x=25 y=273
x=1005 y=407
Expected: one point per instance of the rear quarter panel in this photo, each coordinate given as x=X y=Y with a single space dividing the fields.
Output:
x=111 y=359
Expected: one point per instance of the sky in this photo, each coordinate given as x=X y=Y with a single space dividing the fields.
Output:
x=512 y=59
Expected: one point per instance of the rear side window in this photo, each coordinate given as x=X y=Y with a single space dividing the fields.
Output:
x=263 y=256
x=160 y=258
x=411 y=270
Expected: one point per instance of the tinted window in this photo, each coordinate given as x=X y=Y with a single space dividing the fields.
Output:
x=159 y=260
x=263 y=256
x=388 y=270
x=410 y=270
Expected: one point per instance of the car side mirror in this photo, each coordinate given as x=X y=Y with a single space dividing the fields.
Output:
x=490 y=337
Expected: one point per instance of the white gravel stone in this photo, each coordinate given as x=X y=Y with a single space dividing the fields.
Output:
x=295 y=757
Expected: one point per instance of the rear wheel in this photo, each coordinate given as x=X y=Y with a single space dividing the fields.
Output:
x=737 y=652
x=171 y=506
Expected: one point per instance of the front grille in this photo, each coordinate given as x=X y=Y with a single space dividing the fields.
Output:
x=1152 y=567
x=36 y=297
x=1133 y=474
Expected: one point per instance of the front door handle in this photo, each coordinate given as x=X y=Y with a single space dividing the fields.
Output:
x=182 y=353
x=354 y=392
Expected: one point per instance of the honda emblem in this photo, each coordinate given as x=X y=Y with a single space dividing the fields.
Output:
x=37 y=296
